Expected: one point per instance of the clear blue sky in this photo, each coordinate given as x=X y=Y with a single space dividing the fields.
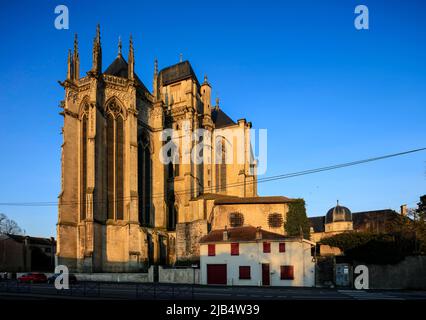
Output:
x=326 y=92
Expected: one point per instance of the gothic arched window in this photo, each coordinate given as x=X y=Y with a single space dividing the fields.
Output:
x=144 y=181
x=115 y=161
x=221 y=167
x=83 y=176
x=119 y=167
x=172 y=214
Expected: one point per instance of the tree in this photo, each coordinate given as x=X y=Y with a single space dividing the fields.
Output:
x=9 y=226
x=370 y=247
x=421 y=208
x=297 y=221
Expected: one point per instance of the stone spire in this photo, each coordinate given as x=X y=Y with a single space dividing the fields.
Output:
x=70 y=66
x=119 y=46
x=97 y=52
x=76 y=60
x=131 y=60
x=155 y=79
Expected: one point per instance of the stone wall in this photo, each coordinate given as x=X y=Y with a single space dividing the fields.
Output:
x=178 y=275
x=188 y=236
x=407 y=274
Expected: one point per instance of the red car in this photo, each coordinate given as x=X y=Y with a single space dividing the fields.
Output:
x=33 y=278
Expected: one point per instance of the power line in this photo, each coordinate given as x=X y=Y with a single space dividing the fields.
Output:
x=228 y=186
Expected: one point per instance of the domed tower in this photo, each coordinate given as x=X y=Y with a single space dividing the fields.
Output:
x=338 y=219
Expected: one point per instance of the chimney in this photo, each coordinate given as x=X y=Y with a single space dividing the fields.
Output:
x=404 y=210
x=225 y=234
x=258 y=233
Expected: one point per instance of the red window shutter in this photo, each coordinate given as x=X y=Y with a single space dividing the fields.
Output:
x=245 y=272
x=287 y=272
x=282 y=246
x=266 y=247
x=212 y=250
x=235 y=249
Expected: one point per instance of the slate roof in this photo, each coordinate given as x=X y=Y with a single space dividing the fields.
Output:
x=361 y=218
x=177 y=72
x=221 y=119
x=120 y=68
x=241 y=234
x=317 y=223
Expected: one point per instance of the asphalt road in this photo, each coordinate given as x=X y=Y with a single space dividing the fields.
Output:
x=102 y=290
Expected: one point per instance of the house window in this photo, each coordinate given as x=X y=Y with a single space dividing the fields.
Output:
x=266 y=247
x=287 y=272
x=212 y=249
x=235 y=249
x=245 y=272
x=275 y=220
x=282 y=246
x=236 y=219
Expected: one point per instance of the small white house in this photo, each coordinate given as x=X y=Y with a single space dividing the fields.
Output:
x=250 y=256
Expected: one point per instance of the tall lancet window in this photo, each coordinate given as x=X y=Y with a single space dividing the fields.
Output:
x=221 y=166
x=119 y=183
x=83 y=167
x=115 y=162
x=144 y=181
x=110 y=165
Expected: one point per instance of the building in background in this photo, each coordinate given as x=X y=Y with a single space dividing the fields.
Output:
x=24 y=253
x=250 y=256
x=340 y=219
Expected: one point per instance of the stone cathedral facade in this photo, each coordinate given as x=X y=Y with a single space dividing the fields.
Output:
x=121 y=208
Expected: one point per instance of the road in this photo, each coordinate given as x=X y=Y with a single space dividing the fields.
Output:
x=102 y=290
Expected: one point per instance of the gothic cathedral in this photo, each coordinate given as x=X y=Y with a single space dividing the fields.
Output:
x=121 y=207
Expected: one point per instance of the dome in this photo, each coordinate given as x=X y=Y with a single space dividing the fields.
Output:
x=337 y=214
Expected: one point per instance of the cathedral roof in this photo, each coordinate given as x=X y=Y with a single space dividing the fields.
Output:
x=177 y=72
x=120 y=68
x=221 y=119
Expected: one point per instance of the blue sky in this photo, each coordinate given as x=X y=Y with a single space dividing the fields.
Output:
x=326 y=92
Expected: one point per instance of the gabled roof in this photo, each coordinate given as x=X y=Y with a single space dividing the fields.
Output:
x=221 y=119
x=241 y=234
x=177 y=72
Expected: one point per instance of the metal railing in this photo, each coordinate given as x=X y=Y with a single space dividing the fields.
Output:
x=100 y=290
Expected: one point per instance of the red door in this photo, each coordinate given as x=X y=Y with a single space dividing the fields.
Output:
x=216 y=274
x=265 y=274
